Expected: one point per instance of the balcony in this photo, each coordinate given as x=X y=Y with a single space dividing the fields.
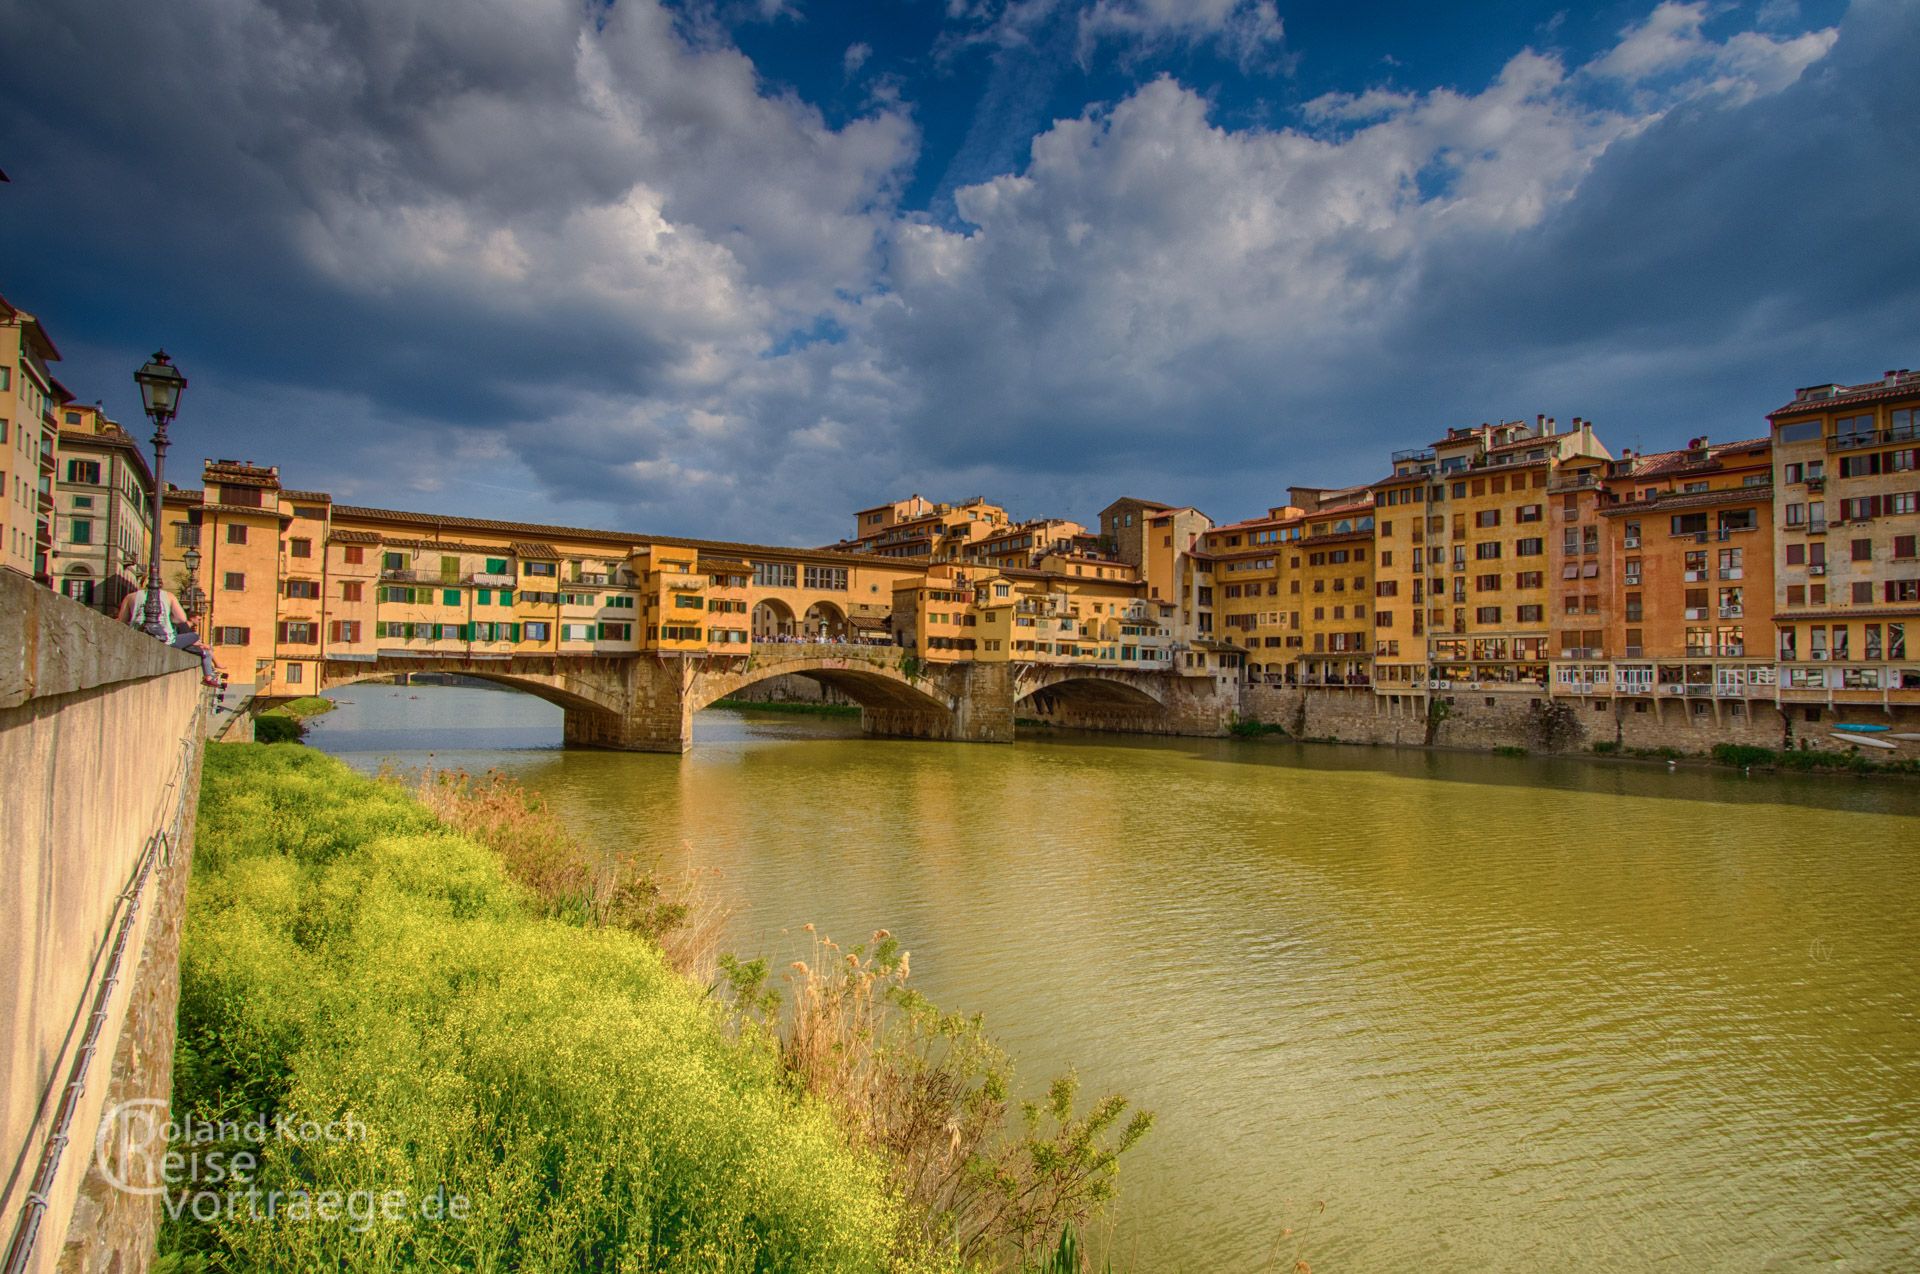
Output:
x=1878 y=438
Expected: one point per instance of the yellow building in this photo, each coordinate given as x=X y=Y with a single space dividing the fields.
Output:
x=1256 y=590
x=1333 y=565
x=1487 y=556
x=103 y=509
x=916 y=527
x=29 y=442
x=294 y=580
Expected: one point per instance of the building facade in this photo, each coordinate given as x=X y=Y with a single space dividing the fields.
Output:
x=103 y=509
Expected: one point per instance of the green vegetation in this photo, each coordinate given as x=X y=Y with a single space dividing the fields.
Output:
x=1606 y=747
x=1610 y=748
x=271 y=728
x=286 y=722
x=347 y=954
x=1247 y=728
x=507 y=1019
x=814 y=708
x=1812 y=759
x=302 y=708
x=1509 y=749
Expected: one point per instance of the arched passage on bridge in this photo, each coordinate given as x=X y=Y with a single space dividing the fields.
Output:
x=825 y=621
x=772 y=618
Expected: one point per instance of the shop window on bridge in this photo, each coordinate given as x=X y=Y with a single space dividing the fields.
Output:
x=829 y=578
x=774 y=574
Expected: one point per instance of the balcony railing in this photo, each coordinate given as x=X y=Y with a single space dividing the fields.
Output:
x=1879 y=437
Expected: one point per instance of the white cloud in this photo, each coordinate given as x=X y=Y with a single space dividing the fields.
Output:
x=1671 y=42
x=855 y=57
x=1248 y=31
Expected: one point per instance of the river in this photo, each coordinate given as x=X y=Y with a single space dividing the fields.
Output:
x=1392 y=1010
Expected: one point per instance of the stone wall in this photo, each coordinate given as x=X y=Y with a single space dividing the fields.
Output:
x=1531 y=720
x=792 y=689
x=99 y=726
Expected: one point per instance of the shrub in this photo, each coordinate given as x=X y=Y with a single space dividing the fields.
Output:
x=346 y=954
x=1248 y=728
x=271 y=728
x=1742 y=754
x=931 y=1092
x=1509 y=749
x=1606 y=747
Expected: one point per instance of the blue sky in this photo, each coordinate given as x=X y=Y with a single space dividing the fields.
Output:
x=737 y=267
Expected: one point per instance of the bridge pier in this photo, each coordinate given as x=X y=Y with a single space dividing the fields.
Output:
x=982 y=695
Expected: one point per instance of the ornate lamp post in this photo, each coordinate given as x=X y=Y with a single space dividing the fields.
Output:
x=191 y=598
x=160 y=385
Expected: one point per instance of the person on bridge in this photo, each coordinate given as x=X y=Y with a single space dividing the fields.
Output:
x=173 y=622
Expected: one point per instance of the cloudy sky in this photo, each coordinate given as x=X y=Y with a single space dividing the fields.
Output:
x=737 y=267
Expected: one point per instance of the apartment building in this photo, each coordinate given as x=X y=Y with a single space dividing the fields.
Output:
x=1846 y=517
x=103 y=509
x=1400 y=578
x=29 y=443
x=1257 y=600
x=918 y=528
x=1332 y=563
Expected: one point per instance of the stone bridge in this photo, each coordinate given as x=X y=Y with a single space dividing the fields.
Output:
x=646 y=702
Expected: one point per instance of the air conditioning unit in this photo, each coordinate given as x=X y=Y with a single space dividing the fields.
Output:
x=1817 y=569
x=1674 y=689
x=1731 y=612
x=1633 y=541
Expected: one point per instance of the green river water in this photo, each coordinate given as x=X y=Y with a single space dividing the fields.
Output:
x=1393 y=1010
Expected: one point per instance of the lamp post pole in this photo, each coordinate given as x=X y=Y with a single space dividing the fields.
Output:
x=160 y=385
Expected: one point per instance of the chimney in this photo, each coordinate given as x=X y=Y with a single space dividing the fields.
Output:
x=1551 y=422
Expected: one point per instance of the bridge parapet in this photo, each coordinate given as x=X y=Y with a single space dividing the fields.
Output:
x=100 y=741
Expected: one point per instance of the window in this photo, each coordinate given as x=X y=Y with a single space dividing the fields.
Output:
x=833 y=578
x=351 y=591
x=236 y=534
x=85 y=472
x=1529 y=548
x=551 y=569
x=297 y=633
x=234 y=582
x=393 y=561
x=1486 y=615
x=537 y=630
x=82 y=531
x=774 y=574
x=303 y=588
x=345 y=630
x=1903 y=545
x=231 y=636
x=616 y=632
x=185 y=535
x=449 y=597
x=1861 y=550
x=299 y=548
x=353 y=555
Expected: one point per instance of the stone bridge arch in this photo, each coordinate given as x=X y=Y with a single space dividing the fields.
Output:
x=591 y=691
x=1123 y=700
x=896 y=698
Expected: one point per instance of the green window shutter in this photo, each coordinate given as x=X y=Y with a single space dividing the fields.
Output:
x=496 y=566
x=506 y=597
x=379 y=628
x=484 y=597
x=514 y=631
x=465 y=630
x=450 y=596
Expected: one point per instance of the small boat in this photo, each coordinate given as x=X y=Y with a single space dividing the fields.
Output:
x=1850 y=727
x=1911 y=738
x=1867 y=739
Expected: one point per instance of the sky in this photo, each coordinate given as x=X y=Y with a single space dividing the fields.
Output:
x=736 y=268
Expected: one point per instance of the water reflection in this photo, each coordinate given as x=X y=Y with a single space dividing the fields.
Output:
x=1421 y=1010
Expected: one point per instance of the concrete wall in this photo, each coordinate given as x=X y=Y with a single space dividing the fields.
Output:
x=98 y=748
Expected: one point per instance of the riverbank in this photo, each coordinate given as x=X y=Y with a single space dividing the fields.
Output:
x=489 y=1010
x=348 y=956
x=808 y=708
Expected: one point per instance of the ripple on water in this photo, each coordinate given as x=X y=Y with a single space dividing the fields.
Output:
x=1424 y=1011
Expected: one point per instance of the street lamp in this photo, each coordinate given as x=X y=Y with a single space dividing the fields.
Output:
x=160 y=385
x=191 y=598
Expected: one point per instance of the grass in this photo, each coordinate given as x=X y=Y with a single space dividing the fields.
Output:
x=302 y=708
x=347 y=954
x=508 y=1020
x=814 y=709
x=1247 y=728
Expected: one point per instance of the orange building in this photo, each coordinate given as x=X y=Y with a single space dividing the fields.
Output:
x=1847 y=544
